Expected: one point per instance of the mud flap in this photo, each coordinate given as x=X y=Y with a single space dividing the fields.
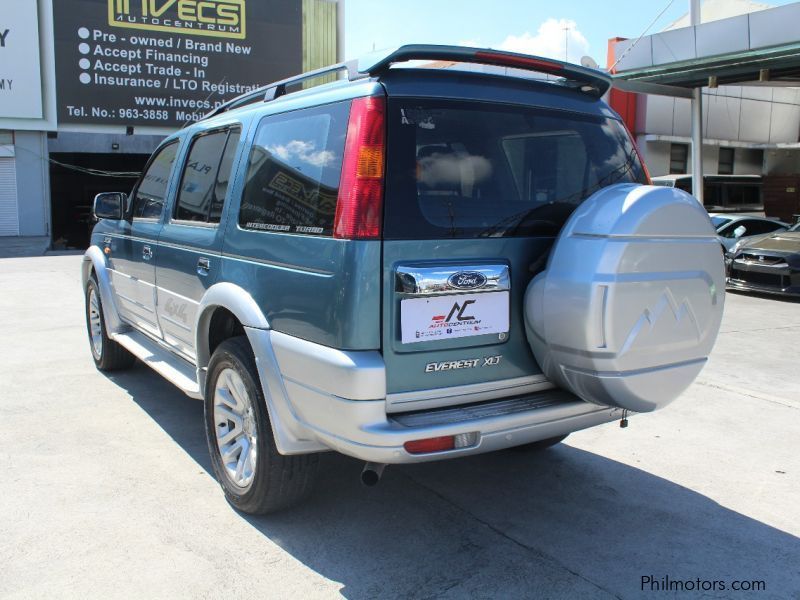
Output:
x=630 y=304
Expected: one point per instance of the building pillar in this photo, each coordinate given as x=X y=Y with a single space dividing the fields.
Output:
x=340 y=31
x=697 y=144
x=697 y=119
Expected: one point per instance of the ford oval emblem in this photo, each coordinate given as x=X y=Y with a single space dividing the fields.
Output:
x=467 y=280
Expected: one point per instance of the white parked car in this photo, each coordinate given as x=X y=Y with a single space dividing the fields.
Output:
x=734 y=228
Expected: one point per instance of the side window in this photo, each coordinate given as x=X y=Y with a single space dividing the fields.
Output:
x=678 y=158
x=759 y=227
x=293 y=171
x=204 y=183
x=727 y=231
x=148 y=199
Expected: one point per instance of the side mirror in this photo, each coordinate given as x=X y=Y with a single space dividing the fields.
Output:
x=109 y=205
x=739 y=231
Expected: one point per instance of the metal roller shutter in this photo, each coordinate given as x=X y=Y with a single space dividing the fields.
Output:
x=9 y=219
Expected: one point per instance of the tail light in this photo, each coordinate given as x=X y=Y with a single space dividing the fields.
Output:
x=359 y=209
x=503 y=59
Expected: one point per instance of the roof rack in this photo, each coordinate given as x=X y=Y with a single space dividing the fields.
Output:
x=274 y=90
x=588 y=80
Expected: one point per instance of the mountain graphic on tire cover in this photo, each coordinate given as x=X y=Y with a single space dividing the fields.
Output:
x=630 y=304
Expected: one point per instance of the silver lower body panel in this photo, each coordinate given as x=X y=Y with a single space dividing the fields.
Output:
x=364 y=430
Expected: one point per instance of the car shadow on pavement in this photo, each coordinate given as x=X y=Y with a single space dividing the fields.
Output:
x=562 y=522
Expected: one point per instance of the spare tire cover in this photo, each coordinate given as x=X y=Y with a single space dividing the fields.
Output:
x=630 y=304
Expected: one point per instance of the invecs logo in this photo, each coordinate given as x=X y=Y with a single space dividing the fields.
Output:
x=218 y=18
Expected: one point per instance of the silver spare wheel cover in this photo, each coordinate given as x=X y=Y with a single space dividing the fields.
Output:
x=630 y=304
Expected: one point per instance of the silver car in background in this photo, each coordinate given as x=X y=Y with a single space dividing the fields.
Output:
x=733 y=228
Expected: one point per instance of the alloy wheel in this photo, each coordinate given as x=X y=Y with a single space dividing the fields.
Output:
x=95 y=324
x=235 y=428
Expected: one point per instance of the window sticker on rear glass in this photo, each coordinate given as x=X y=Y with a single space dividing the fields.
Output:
x=410 y=116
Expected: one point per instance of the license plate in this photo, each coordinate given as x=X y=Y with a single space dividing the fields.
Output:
x=455 y=316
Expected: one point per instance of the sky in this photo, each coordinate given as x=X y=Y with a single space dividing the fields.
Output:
x=554 y=29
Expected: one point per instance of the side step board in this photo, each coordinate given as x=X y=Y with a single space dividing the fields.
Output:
x=174 y=369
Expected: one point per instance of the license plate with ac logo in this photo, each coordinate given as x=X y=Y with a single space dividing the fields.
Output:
x=453 y=316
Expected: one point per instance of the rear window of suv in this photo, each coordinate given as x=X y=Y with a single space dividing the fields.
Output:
x=293 y=171
x=465 y=170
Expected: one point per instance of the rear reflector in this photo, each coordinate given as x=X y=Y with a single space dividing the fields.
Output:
x=437 y=444
x=441 y=444
x=359 y=209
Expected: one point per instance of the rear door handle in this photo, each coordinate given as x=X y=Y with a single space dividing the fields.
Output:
x=147 y=252
x=203 y=266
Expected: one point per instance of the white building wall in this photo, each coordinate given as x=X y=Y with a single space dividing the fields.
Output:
x=750 y=114
x=33 y=182
x=781 y=162
x=746 y=161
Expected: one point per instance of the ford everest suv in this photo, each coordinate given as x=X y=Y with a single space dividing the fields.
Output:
x=404 y=264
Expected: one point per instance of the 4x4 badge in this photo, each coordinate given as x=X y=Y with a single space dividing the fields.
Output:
x=466 y=280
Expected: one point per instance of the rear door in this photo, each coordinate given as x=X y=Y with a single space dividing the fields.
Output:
x=475 y=195
x=191 y=241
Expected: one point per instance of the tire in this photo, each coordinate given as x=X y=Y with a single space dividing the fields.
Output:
x=107 y=354
x=254 y=483
x=541 y=444
x=627 y=311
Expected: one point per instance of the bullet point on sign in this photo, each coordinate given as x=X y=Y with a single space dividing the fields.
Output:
x=84 y=48
x=85 y=78
x=83 y=33
x=84 y=63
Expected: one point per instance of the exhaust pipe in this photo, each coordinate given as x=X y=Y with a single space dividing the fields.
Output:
x=371 y=474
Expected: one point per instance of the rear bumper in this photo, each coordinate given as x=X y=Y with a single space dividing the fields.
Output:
x=364 y=430
x=320 y=398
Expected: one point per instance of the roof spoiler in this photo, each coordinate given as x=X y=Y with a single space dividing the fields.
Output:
x=589 y=80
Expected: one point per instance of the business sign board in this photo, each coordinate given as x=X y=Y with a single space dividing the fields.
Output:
x=166 y=63
x=20 y=71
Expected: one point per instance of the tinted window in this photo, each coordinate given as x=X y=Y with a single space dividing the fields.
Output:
x=465 y=169
x=148 y=200
x=725 y=161
x=205 y=177
x=712 y=193
x=224 y=176
x=678 y=156
x=744 y=195
x=729 y=231
x=293 y=171
x=719 y=221
x=757 y=227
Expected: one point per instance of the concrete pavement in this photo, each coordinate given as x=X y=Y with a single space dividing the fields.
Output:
x=105 y=488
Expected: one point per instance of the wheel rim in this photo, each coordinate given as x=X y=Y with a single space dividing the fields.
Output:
x=95 y=324
x=235 y=428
